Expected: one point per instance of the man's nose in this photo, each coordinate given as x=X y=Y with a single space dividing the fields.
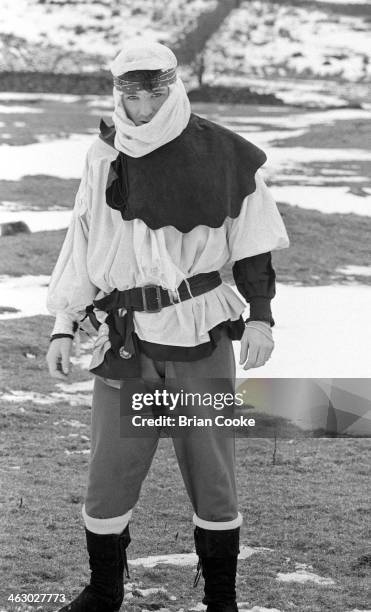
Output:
x=145 y=109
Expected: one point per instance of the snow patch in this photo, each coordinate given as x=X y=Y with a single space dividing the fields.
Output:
x=63 y=158
x=25 y=293
x=149 y=591
x=19 y=110
x=8 y=206
x=37 y=221
x=302 y=576
x=242 y=606
x=321 y=180
x=188 y=559
x=48 y=97
x=42 y=399
x=85 y=387
x=325 y=199
x=342 y=1
x=77 y=399
x=16 y=396
x=72 y=423
x=105 y=102
x=355 y=270
x=284 y=156
x=294 y=120
x=311 y=340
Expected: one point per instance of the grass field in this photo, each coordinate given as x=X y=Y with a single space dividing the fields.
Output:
x=310 y=506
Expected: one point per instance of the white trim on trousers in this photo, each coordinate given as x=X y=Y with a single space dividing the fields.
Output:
x=106 y=526
x=218 y=525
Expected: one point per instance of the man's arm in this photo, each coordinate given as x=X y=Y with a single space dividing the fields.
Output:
x=259 y=228
x=256 y=281
x=70 y=288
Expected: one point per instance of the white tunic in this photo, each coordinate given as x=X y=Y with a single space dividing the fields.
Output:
x=102 y=252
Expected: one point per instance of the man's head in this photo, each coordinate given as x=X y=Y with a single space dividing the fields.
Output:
x=143 y=94
x=142 y=76
x=151 y=103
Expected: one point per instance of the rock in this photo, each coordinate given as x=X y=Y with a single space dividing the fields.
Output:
x=14 y=227
x=6 y=310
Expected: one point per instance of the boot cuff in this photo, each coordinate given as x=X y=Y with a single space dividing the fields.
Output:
x=217 y=544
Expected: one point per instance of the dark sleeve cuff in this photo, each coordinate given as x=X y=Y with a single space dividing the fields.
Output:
x=56 y=336
x=260 y=310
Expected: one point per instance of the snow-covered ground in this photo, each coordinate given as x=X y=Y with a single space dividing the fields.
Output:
x=258 y=39
x=26 y=294
x=63 y=158
x=343 y=1
x=270 y=39
x=304 y=573
x=37 y=221
x=189 y=559
x=325 y=199
x=309 y=92
x=97 y=29
x=319 y=332
x=285 y=169
x=19 y=109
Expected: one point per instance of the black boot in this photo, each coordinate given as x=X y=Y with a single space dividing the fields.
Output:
x=107 y=560
x=218 y=552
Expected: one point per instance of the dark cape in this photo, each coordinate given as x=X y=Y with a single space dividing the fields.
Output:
x=199 y=178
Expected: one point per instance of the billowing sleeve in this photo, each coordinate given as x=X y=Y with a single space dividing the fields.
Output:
x=252 y=236
x=259 y=227
x=70 y=288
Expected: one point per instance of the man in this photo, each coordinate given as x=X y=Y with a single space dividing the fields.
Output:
x=166 y=200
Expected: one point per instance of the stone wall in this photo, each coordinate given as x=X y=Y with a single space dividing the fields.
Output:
x=101 y=83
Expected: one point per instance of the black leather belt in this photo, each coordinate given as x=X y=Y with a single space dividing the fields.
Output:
x=150 y=298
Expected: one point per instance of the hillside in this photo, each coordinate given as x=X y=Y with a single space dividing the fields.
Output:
x=291 y=39
x=260 y=38
x=75 y=35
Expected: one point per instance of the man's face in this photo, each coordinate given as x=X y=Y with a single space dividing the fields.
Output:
x=141 y=106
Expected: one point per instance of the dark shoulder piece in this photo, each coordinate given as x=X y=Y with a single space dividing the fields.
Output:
x=107 y=133
x=255 y=156
x=199 y=178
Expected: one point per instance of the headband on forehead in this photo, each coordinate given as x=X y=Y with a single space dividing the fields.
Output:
x=166 y=77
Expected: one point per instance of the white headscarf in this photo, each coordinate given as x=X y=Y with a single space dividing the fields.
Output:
x=172 y=117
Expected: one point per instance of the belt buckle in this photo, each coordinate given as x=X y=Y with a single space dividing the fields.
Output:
x=158 y=298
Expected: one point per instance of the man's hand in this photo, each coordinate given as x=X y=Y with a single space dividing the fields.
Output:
x=257 y=343
x=58 y=357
